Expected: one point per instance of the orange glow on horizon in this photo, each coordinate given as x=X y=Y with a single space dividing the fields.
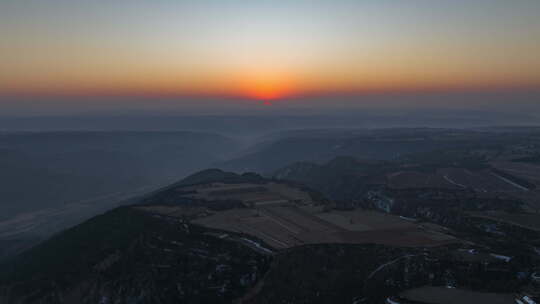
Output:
x=257 y=82
x=260 y=91
x=265 y=92
x=265 y=86
x=251 y=50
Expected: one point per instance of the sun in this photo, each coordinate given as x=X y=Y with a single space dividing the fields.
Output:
x=267 y=91
x=266 y=88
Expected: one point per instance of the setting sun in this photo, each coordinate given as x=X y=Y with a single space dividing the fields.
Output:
x=266 y=92
x=267 y=87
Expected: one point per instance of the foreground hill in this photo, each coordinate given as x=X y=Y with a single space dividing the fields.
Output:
x=128 y=256
x=220 y=237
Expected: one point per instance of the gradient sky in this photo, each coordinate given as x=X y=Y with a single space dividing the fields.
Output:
x=266 y=49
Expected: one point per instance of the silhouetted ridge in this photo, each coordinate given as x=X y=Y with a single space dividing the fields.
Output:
x=129 y=256
x=217 y=175
x=175 y=194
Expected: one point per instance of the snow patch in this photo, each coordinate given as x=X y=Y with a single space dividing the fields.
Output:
x=501 y=257
x=258 y=245
x=390 y=301
x=528 y=300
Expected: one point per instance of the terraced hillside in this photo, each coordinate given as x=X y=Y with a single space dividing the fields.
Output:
x=285 y=216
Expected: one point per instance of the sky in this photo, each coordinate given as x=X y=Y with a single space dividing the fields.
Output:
x=110 y=52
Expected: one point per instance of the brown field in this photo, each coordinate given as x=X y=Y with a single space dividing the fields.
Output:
x=410 y=179
x=442 y=295
x=174 y=211
x=483 y=180
x=360 y=220
x=284 y=217
x=526 y=171
x=453 y=178
x=248 y=193
x=531 y=199
x=526 y=220
x=287 y=225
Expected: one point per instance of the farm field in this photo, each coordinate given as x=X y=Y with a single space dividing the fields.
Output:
x=287 y=225
x=526 y=220
x=454 y=178
x=284 y=216
x=174 y=211
x=360 y=220
x=531 y=200
x=526 y=171
x=412 y=179
x=483 y=180
x=442 y=295
x=247 y=193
